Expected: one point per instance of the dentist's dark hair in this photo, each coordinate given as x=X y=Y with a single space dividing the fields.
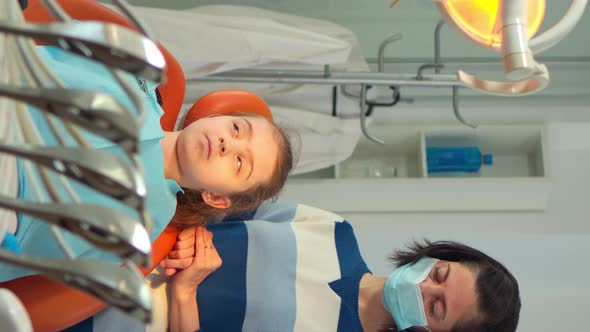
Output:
x=498 y=297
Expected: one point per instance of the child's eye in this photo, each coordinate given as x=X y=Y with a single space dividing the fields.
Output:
x=239 y=163
x=236 y=130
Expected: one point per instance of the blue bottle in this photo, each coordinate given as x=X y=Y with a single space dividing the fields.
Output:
x=458 y=160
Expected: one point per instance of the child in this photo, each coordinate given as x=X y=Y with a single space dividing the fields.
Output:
x=240 y=186
x=228 y=162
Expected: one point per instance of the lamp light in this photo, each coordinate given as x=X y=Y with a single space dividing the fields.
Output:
x=508 y=26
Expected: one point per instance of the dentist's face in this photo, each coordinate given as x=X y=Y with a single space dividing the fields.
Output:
x=227 y=154
x=449 y=296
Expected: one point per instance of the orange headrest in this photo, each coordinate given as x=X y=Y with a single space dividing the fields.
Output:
x=83 y=10
x=227 y=101
x=172 y=90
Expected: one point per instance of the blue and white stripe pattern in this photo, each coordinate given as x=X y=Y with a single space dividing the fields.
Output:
x=294 y=268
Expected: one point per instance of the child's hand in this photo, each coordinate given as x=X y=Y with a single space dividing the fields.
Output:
x=205 y=262
x=182 y=253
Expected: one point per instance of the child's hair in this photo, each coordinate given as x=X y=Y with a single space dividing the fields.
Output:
x=191 y=209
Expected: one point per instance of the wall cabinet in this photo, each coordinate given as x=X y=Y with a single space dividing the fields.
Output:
x=394 y=177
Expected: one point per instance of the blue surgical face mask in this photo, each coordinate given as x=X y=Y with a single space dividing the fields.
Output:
x=402 y=296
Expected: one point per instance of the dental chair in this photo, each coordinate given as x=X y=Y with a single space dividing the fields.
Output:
x=53 y=306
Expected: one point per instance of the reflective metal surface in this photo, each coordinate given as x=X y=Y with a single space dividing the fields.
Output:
x=110 y=44
x=95 y=111
x=104 y=227
x=119 y=286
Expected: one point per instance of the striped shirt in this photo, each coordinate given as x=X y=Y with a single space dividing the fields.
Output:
x=292 y=268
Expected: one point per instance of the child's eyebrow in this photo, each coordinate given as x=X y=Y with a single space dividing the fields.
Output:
x=249 y=127
x=250 y=133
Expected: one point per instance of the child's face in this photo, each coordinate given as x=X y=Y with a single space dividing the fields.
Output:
x=227 y=154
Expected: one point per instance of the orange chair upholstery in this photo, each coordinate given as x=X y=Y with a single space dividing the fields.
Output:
x=53 y=306
x=227 y=101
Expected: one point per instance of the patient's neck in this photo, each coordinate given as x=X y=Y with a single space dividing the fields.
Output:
x=171 y=167
x=372 y=313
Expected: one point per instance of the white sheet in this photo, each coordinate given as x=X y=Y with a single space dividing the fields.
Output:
x=13 y=316
x=324 y=140
x=355 y=61
x=205 y=43
x=9 y=183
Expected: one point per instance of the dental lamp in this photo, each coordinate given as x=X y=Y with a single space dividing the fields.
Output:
x=507 y=26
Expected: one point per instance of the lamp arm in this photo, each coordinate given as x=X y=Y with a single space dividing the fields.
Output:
x=517 y=58
x=552 y=36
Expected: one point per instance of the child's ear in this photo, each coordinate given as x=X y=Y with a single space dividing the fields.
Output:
x=217 y=201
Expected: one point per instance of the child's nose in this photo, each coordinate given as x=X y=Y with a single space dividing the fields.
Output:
x=223 y=146
x=227 y=145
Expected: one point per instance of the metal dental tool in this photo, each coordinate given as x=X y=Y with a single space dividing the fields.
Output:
x=112 y=227
x=98 y=169
x=125 y=9
x=97 y=112
x=104 y=227
x=38 y=74
x=108 y=43
x=138 y=102
x=123 y=288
